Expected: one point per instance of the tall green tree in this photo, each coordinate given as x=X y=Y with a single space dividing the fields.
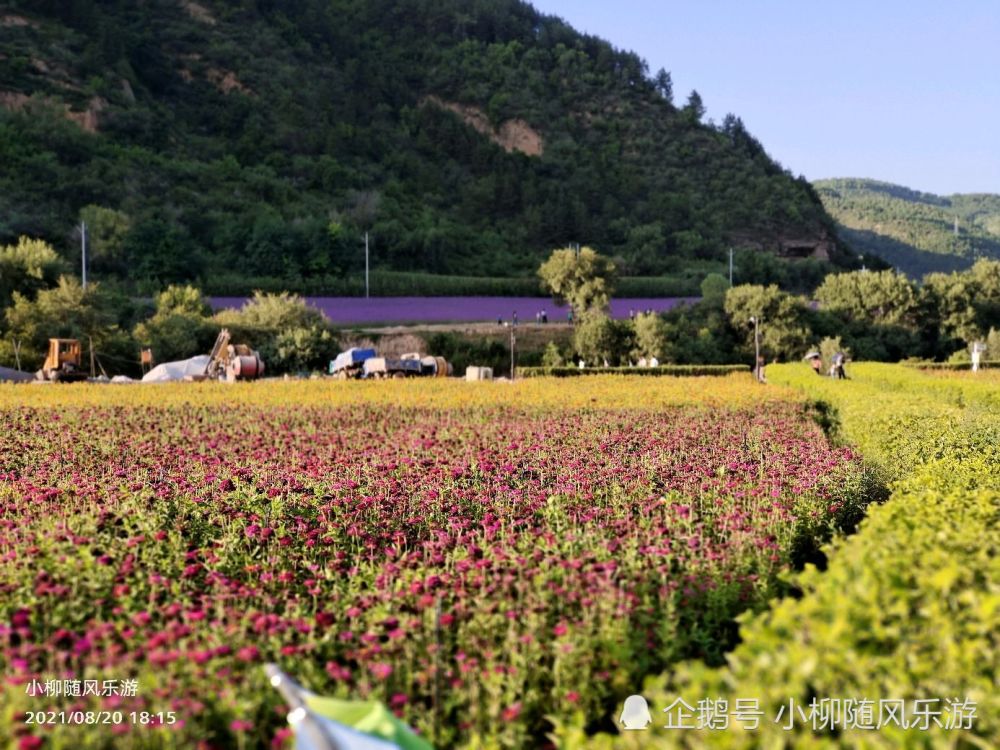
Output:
x=881 y=297
x=966 y=303
x=69 y=311
x=597 y=338
x=585 y=279
x=26 y=268
x=290 y=334
x=180 y=327
x=714 y=287
x=107 y=230
x=650 y=336
x=782 y=319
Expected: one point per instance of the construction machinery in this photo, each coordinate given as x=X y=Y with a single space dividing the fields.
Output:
x=232 y=362
x=349 y=364
x=364 y=363
x=63 y=362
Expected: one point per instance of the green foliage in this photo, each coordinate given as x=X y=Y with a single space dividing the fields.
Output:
x=273 y=312
x=290 y=335
x=570 y=371
x=175 y=336
x=966 y=304
x=781 y=320
x=462 y=352
x=583 y=279
x=911 y=230
x=993 y=343
x=26 y=268
x=182 y=300
x=264 y=145
x=714 y=287
x=68 y=311
x=407 y=283
x=650 y=336
x=107 y=230
x=597 y=339
x=958 y=361
x=180 y=327
x=879 y=297
x=303 y=349
x=553 y=356
x=907 y=608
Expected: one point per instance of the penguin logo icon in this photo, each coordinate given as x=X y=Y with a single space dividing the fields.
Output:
x=635 y=713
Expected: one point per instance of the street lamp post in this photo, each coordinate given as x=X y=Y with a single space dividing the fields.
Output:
x=83 y=253
x=513 y=341
x=756 y=347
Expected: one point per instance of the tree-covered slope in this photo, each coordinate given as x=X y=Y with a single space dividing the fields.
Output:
x=260 y=138
x=914 y=231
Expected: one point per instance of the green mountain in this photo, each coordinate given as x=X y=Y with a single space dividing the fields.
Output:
x=916 y=232
x=253 y=140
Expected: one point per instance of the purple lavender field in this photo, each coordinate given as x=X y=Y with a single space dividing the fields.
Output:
x=455 y=309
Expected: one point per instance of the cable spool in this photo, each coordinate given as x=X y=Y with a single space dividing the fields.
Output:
x=246 y=366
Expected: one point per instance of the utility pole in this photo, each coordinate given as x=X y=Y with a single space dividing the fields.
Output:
x=756 y=347
x=366 y=265
x=83 y=253
x=730 y=267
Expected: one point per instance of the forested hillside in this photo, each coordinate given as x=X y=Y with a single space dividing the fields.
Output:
x=916 y=232
x=237 y=143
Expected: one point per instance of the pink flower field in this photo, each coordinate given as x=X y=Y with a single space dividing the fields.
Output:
x=478 y=567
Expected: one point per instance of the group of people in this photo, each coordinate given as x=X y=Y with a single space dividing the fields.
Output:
x=632 y=313
x=541 y=317
x=836 y=369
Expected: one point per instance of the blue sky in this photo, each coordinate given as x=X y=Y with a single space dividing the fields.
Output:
x=906 y=92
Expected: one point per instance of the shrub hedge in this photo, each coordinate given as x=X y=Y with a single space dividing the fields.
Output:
x=908 y=608
x=674 y=370
x=985 y=365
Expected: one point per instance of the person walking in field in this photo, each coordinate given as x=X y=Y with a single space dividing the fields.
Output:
x=815 y=360
x=838 y=366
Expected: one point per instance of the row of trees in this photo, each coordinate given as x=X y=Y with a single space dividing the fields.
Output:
x=39 y=301
x=876 y=315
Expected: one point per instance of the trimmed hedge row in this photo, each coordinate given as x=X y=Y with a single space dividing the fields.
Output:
x=985 y=364
x=407 y=284
x=909 y=607
x=674 y=370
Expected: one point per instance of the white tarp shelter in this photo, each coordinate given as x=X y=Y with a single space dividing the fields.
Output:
x=170 y=371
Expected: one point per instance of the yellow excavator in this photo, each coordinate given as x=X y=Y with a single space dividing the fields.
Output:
x=63 y=363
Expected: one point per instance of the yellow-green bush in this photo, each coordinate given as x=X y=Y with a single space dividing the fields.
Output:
x=909 y=607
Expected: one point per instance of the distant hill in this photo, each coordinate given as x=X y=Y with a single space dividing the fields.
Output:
x=914 y=231
x=258 y=139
